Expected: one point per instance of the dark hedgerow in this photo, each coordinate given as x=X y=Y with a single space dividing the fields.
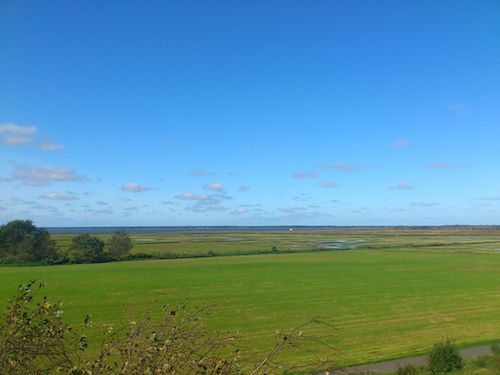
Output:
x=444 y=357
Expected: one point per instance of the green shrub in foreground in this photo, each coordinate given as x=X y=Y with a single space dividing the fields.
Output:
x=444 y=357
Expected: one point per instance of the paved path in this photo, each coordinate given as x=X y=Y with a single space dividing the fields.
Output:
x=393 y=365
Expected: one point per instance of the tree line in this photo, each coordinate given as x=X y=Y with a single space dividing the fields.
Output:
x=22 y=242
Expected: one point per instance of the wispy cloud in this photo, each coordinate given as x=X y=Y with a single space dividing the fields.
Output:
x=40 y=176
x=459 y=109
x=396 y=209
x=328 y=184
x=243 y=188
x=291 y=210
x=192 y=197
x=214 y=186
x=54 y=196
x=16 y=135
x=344 y=167
x=45 y=207
x=299 y=212
x=198 y=172
x=439 y=166
x=134 y=187
x=302 y=197
x=425 y=204
x=21 y=201
x=400 y=143
x=490 y=198
x=400 y=186
x=203 y=207
x=101 y=211
x=444 y=166
x=50 y=146
x=302 y=175
x=203 y=202
x=239 y=211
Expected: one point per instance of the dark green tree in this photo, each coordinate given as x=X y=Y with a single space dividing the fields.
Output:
x=22 y=241
x=86 y=249
x=119 y=244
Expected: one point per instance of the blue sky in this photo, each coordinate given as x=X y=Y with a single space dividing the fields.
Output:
x=250 y=113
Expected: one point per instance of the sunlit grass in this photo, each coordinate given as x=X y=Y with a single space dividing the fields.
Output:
x=386 y=302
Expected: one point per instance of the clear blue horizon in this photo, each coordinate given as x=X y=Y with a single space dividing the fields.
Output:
x=260 y=113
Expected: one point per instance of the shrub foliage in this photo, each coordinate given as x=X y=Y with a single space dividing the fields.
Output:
x=21 y=241
x=444 y=357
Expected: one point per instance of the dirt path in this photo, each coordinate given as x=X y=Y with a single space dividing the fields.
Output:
x=393 y=365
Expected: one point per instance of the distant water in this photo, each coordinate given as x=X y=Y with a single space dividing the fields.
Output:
x=277 y=228
x=153 y=230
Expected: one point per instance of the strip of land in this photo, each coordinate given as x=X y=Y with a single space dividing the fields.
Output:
x=393 y=365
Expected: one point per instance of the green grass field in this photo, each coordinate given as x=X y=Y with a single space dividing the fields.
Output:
x=392 y=300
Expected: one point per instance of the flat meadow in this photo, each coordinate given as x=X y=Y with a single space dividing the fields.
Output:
x=390 y=293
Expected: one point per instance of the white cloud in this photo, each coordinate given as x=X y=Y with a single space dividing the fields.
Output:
x=239 y=211
x=301 y=175
x=344 y=167
x=16 y=135
x=328 y=184
x=197 y=172
x=192 y=197
x=203 y=202
x=40 y=176
x=400 y=143
x=134 y=187
x=215 y=186
x=400 y=186
x=50 y=146
x=58 y=196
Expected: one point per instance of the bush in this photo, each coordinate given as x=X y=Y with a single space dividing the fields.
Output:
x=86 y=249
x=480 y=362
x=495 y=348
x=444 y=357
x=407 y=370
x=494 y=361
